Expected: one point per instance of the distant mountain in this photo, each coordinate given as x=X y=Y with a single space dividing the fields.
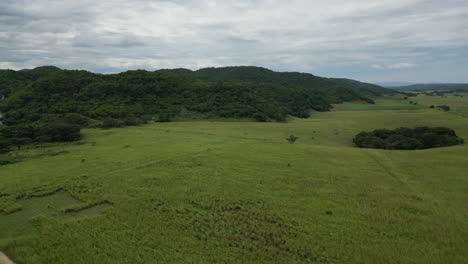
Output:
x=394 y=84
x=456 y=87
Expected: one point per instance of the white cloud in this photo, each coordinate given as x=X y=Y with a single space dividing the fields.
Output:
x=334 y=37
x=397 y=66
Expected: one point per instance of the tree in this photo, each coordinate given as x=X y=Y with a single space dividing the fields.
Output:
x=291 y=139
x=407 y=138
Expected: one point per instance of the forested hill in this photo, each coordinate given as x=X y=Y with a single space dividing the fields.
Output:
x=11 y=80
x=363 y=88
x=336 y=89
x=239 y=92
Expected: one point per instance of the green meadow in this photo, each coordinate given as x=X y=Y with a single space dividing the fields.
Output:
x=381 y=104
x=458 y=104
x=238 y=192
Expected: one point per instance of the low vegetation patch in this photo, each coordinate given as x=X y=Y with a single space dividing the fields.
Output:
x=407 y=138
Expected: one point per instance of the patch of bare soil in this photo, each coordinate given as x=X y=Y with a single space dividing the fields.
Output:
x=4 y=259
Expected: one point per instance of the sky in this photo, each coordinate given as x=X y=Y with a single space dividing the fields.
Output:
x=368 y=40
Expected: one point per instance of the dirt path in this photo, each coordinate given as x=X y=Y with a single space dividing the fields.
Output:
x=4 y=259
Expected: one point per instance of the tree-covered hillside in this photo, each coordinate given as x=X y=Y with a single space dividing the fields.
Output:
x=138 y=93
x=11 y=80
x=334 y=90
x=366 y=89
x=251 y=92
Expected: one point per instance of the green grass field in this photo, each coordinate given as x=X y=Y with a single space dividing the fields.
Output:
x=458 y=104
x=238 y=192
x=380 y=104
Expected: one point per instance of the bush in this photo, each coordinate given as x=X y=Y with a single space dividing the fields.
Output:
x=58 y=132
x=260 y=117
x=5 y=144
x=112 y=122
x=5 y=160
x=291 y=139
x=133 y=121
x=407 y=138
x=52 y=130
x=444 y=107
x=163 y=118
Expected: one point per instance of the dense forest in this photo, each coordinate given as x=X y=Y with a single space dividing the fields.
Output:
x=333 y=89
x=46 y=101
x=11 y=81
x=407 y=138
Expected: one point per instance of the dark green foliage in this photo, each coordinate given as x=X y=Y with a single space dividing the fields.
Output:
x=47 y=104
x=138 y=93
x=112 y=122
x=233 y=92
x=164 y=117
x=432 y=106
x=291 y=139
x=332 y=89
x=133 y=121
x=5 y=160
x=365 y=89
x=444 y=107
x=11 y=81
x=37 y=132
x=260 y=117
x=407 y=138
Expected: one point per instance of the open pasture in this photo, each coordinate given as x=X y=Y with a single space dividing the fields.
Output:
x=238 y=192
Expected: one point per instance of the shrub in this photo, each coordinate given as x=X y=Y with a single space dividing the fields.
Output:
x=291 y=139
x=133 y=121
x=58 y=132
x=164 y=118
x=407 y=139
x=444 y=107
x=260 y=117
x=112 y=122
x=5 y=144
x=5 y=160
x=302 y=114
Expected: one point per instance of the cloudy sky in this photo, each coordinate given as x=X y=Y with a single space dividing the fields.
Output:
x=368 y=40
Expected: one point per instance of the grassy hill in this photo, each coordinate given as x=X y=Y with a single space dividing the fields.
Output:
x=238 y=192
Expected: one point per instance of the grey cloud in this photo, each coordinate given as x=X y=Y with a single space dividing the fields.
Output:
x=364 y=39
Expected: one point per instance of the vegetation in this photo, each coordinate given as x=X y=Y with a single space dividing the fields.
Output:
x=334 y=90
x=408 y=139
x=444 y=107
x=291 y=139
x=457 y=102
x=70 y=99
x=37 y=132
x=11 y=81
x=381 y=104
x=435 y=87
x=222 y=192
